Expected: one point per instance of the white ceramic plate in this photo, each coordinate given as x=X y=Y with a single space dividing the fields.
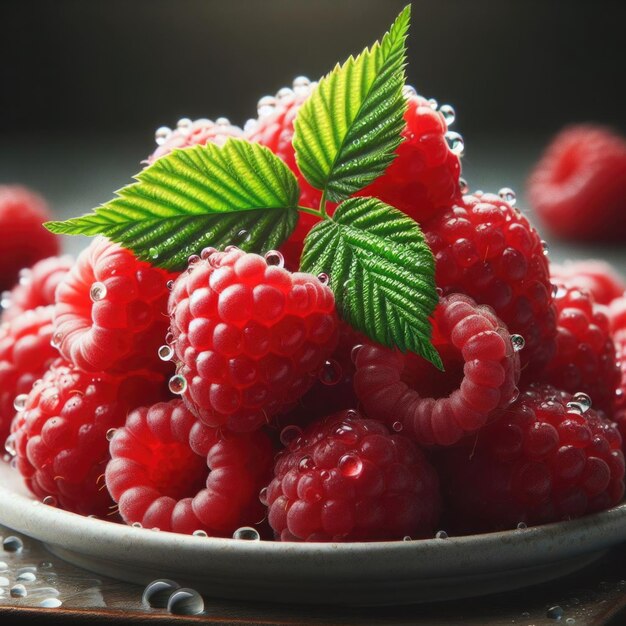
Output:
x=358 y=574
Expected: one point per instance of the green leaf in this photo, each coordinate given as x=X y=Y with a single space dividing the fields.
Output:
x=381 y=272
x=240 y=193
x=347 y=131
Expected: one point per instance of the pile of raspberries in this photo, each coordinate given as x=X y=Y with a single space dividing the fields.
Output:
x=231 y=400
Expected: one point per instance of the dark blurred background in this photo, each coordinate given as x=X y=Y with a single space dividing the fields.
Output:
x=84 y=84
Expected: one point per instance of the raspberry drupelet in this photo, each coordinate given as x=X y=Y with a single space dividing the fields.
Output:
x=547 y=458
x=349 y=479
x=171 y=472
x=111 y=310
x=249 y=337
x=440 y=408
x=485 y=248
x=60 y=434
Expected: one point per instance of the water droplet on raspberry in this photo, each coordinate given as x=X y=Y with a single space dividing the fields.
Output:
x=193 y=259
x=323 y=277
x=155 y=529
x=350 y=465
x=330 y=373
x=18 y=591
x=266 y=106
x=546 y=249
x=97 y=292
x=157 y=593
x=184 y=125
x=250 y=125
x=24 y=276
x=12 y=544
x=441 y=534
x=518 y=342
x=514 y=395
x=247 y=533
x=200 y=533
x=290 y=434
x=522 y=526
x=20 y=401
x=345 y=433
x=449 y=115
x=110 y=433
x=306 y=464
x=9 y=445
x=463 y=186
x=408 y=91
x=165 y=353
x=56 y=340
x=263 y=496
x=407 y=538
x=354 y=353
x=170 y=285
x=185 y=601
x=274 y=257
x=162 y=134
x=207 y=252
x=5 y=300
x=177 y=384
x=50 y=501
x=283 y=93
x=351 y=414
x=397 y=426
x=555 y=612
x=137 y=525
x=301 y=85
x=508 y=195
x=455 y=143
x=583 y=400
x=433 y=104
x=222 y=123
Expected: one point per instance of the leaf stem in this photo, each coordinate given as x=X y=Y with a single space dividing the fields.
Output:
x=323 y=205
x=315 y=212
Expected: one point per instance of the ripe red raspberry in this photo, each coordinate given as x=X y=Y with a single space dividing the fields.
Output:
x=439 y=408
x=111 y=310
x=249 y=337
x=192 y=133
x=597 y=277
x=487 y=249
x=578 y=188
x=619 y=405
x=60 y=436
x=24 y=239
x=585 y=354
x=25 y=354
x=169 y=471
x=36 y=286
x=541 y=461
x=348 y=479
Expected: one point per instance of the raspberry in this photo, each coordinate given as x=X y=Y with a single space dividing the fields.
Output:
x=24 y=239
x=439 y=408
x=36 y=286
x=159 y=476
x=249 y=337
x=619 y=405
x=348 y=479
x=60 y=437
x=487 y=249
x=188 y=133
x=541 y=462
x=585 y=354
x=596 y=277
x=578 y=188
x=111 y=310
x=25 y=354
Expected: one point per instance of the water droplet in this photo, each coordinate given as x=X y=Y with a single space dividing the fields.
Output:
x=170 y=285
x=463 y=186
x=283 y=93
x=583 y=400
x=18 y=591
x=110 y=434
x=324 y=278
x=3 y=566
x=200 y=533
x=165 y=353
x=247 y=533
x=162 y=134
x=455 y=143
x=274 y=257
x=522 y=526
x=26 y=577
x=397 y=426
x=185 y=601
x=354 y=353
x=289 y=434
x=223 y=123
x=243 y=236
x=250 y=125
x=433 y=104
x=50 y=603
x=345 y=433
x=408 y=91
x=555 y=612
x=5 y=300
x=13 y=544
x=24 y=276
x=330 y=373
x=350 y=465
x=301 y=85
x=441 y=534
x=50 y=500
x=177 y=384
x=266 y=106
x=157 y=593
x=137 y=525
x=449 y=115
x=207 y=252
x=56 y=340
x=518 y=342
x=508 y=195
x=155 y=529
x=306 y=464
x=263 y=496
x=184 y=125
x=570 y=620
x=4 y=581
x=546 y=248
x=192 y=260
x=20 y=401
x=97 y=292
x=153 y=252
